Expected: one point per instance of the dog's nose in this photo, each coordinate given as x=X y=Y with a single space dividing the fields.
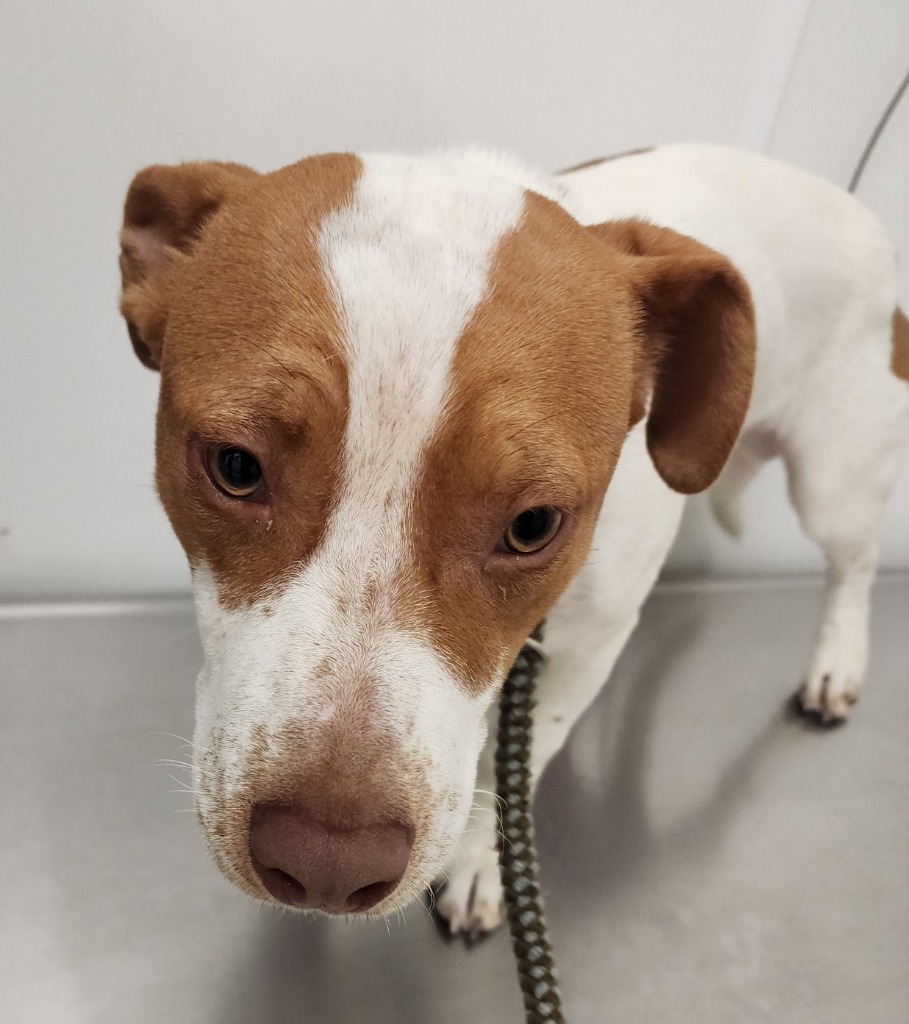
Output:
x=315 y=865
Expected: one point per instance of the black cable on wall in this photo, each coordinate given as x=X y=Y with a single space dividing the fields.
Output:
x=878 y=131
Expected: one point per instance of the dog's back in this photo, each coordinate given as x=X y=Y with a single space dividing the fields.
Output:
x=819 y=264
x=829 y=396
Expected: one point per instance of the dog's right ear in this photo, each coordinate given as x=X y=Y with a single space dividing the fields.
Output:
x=166 y=210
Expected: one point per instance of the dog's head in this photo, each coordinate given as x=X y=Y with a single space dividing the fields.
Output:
x=393 y=392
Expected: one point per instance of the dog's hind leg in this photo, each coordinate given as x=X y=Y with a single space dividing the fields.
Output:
x=842 y=463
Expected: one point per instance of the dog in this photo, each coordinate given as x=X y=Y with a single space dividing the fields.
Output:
x=411 y=407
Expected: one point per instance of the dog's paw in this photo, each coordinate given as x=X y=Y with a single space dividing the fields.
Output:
x=471 y=901
x=838 y=664
x=829 y=695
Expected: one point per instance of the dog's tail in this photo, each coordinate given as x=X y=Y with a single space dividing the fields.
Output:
x=725 y=496
x=727 y=511
x=900 y=362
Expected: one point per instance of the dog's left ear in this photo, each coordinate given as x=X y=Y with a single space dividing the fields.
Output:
x=697 y=344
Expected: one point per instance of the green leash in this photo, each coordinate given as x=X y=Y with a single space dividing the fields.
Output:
x=523 y=899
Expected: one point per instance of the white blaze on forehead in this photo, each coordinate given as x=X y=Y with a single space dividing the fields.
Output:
x=408 y=260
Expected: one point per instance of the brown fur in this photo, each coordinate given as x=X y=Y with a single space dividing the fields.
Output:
x=548 y=378
x=165 y=212
x=900 y=361
x=699 y=351
x=542 y=385
x=252 y=359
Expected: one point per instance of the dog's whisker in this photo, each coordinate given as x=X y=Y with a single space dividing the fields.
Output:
x=182 y=766
x=490 y=793
x=184 y=788
x=477 y=812
x=182 y=739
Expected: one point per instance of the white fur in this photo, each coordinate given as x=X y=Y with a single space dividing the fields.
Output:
x=822 y=275
x=505 y=165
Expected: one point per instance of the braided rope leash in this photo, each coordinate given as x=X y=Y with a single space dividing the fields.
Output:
x=523 y=899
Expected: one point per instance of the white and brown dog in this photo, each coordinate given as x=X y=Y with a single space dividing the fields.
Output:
x=410 y=407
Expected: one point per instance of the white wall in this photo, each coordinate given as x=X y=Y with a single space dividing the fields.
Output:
x=90 y=92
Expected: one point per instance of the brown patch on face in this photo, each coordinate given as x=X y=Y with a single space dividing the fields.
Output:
x=605 y=160
x=541 y=393
x=579 y=328
x=252 y=358
x=900 y=361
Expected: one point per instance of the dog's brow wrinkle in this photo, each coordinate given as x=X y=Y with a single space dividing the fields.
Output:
x=272 y=356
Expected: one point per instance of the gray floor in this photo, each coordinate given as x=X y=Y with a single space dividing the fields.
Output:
x=708 y=856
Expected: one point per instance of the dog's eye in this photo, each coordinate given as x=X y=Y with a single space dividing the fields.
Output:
x=234 y=472
x=532 y=530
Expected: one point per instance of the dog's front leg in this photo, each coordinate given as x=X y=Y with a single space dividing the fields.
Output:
x=471 y=900
x=573 y=673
